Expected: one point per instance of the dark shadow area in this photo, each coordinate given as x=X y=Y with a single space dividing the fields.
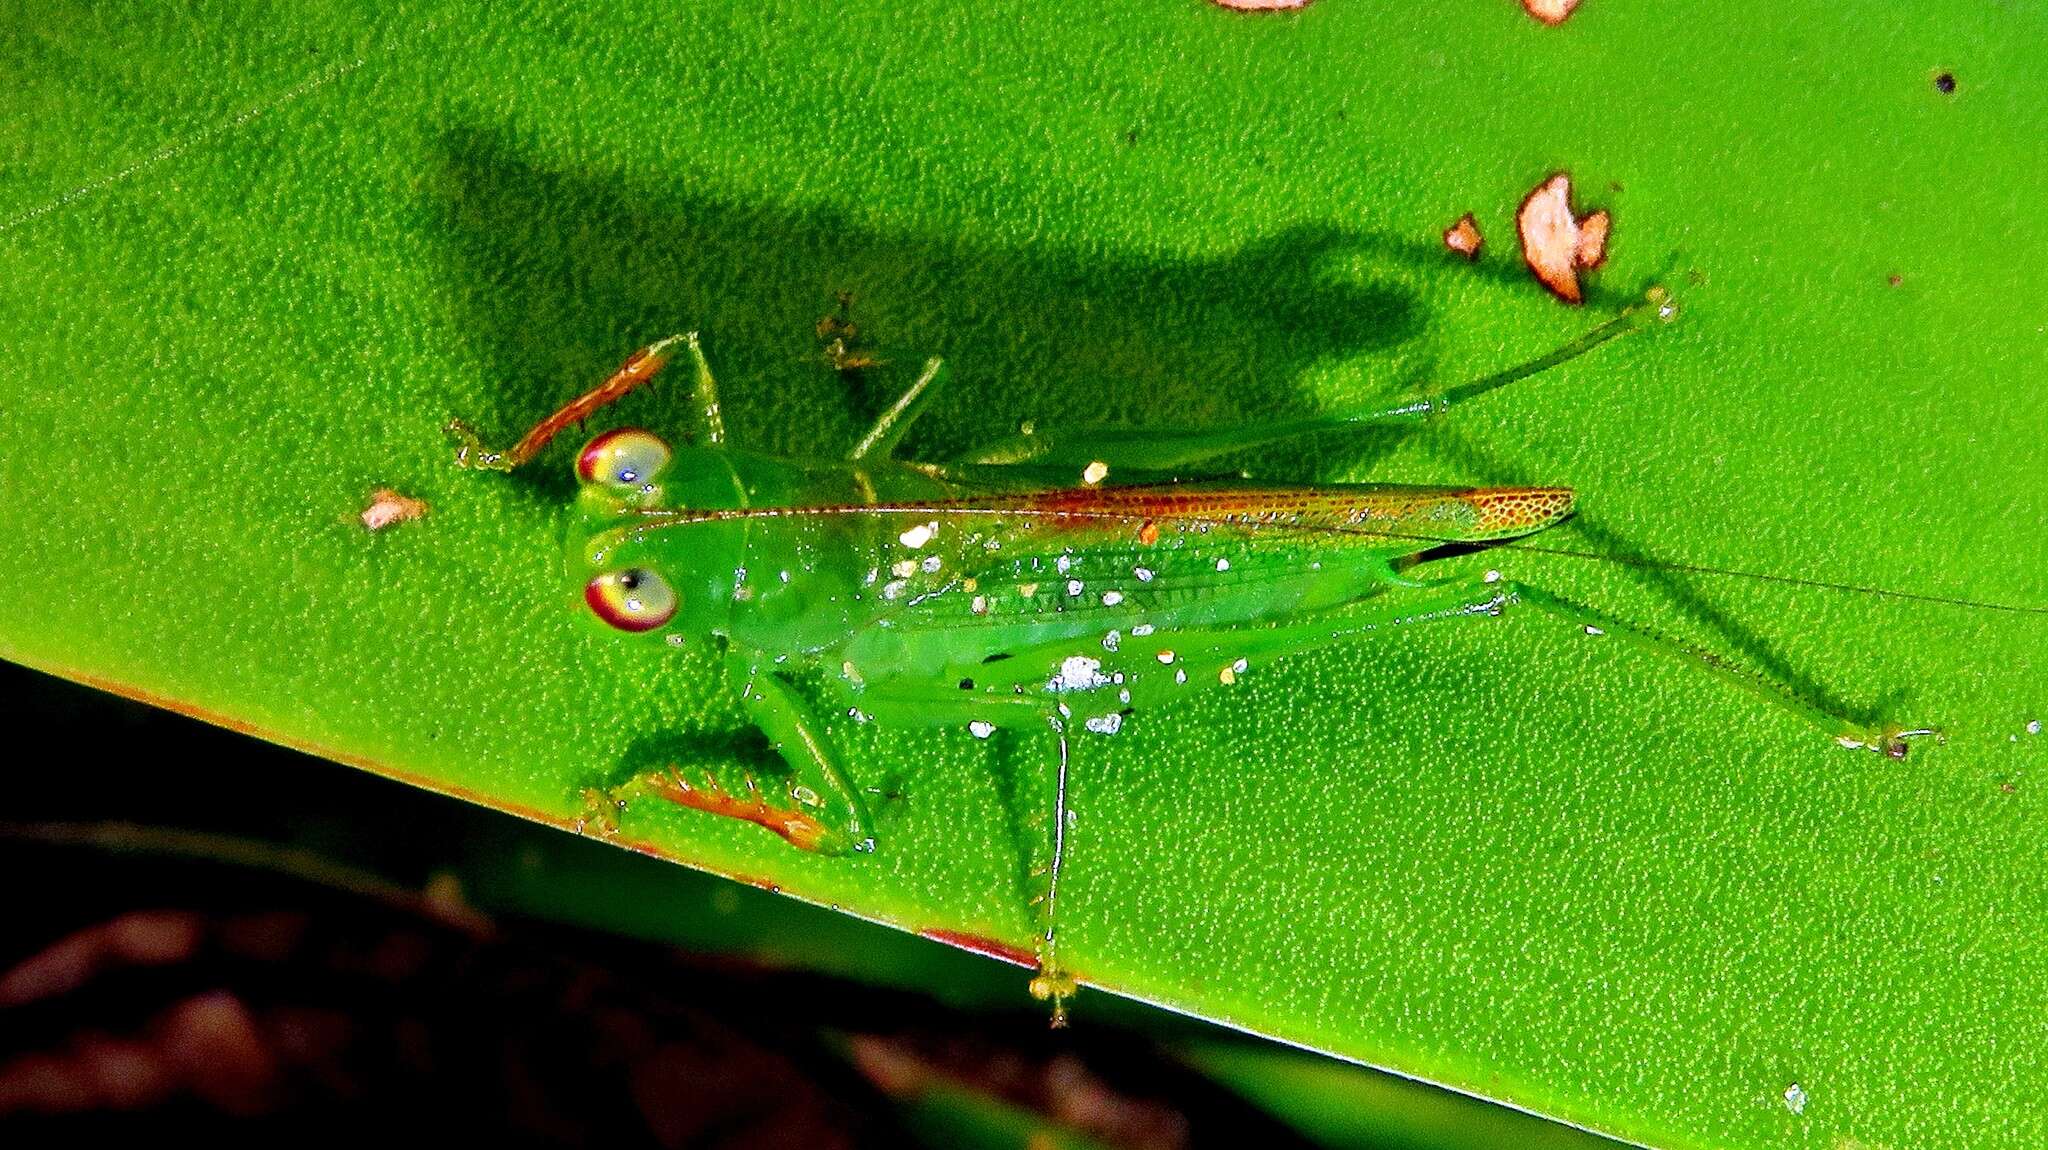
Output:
x=272 y=944
x=558 y=276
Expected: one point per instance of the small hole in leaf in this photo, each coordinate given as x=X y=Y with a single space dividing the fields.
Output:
x=1945 y=83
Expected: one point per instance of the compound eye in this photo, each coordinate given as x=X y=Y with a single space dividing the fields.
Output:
x=626 y=457
x=635 y=599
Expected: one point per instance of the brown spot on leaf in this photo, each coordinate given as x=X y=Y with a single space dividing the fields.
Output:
x=1463 y=237
x=1556 y=243
x=1552 y=12
x=388 y=507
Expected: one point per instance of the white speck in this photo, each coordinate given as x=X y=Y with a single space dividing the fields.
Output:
x=1073 y=818
x=1124 y=696
x=1108 y=724
x=980 y=605
x=1112 y=598
x=1079 y=673
x=931 y=563
x=1795 y=1099
x=1180 y=675
x=903 y=568
x=2034 y=728
x=1063 y=563
x=1073 y=586
x=1144 y=574
x=1223 y=565
x=1166 y=657
x=1493 y=576
x=1112 y=641
x=893 y=588
x=1094 y=473
x=1142 y=630
x=919 y=535
x=1592 y=630
x=981 y=729
x=784 y=574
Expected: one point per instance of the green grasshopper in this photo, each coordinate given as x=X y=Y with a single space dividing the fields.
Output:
x=1052 y=580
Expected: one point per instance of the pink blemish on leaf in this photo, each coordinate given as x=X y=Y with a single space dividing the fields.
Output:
x=1261 y=5
x=1463 y=237
x=388 y=507
x=1556 y=243
x=1551 y=12
x=1592 y=249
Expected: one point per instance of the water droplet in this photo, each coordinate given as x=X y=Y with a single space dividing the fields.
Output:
x=1180 y=675
x=1142 y=630
x=1166 y=657
x=1223 y=565
x=1493 y=576
x=1063 y=563
x=1795 y=1099
x=1144 y=574
x=1112 y=598
x=1073 y=587
x=979 y=605
x=1112 y=641
x=894 y=588
x=919 y=535
x=804 y=795
x=2034 y=728
x=1094 y=473
x=981 y=729
x=903 y=568
x=931 y=563
x=1108 y=724
x=1078 y=673
x=1592 y=630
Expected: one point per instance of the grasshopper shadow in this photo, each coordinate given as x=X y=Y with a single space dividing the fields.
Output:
x=557 y=276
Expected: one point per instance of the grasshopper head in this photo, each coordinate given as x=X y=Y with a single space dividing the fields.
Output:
x=643 y=565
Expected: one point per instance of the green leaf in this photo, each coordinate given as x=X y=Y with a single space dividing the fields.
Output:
x=254 y=258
